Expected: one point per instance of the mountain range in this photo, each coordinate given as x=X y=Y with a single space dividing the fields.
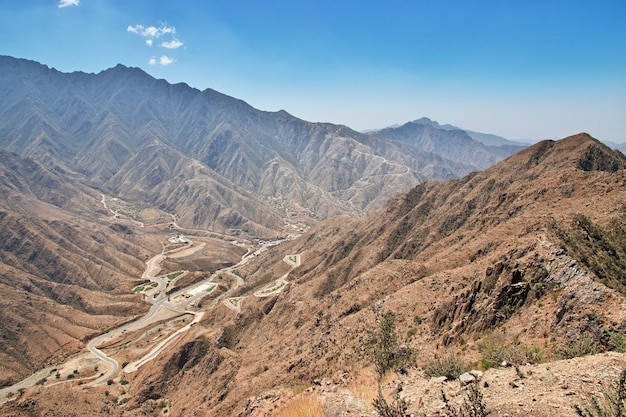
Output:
x=474 y=243
x=491 y=259
x=214 y=161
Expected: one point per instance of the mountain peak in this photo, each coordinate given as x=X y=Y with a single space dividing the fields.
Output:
x=580 y=151
x=123 y=69
x=429 y=122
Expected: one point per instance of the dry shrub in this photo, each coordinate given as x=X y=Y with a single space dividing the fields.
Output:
x=582 y=347
x=304 y=405
x=494 y=350
x=397 y=408
x=450 y=366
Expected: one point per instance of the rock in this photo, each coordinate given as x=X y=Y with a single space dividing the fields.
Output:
x=467 y=378
x=547 y=376
x=438 y=380
x=357 y=404
x=477 y=374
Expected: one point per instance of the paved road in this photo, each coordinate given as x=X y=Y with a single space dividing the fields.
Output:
x=151 y=267
x=114 y=366
x=132 y=367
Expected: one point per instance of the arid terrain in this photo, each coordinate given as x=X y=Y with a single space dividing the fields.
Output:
x=515 y=272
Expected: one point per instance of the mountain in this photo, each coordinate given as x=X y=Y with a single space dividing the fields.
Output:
x=473 y=250
x=487 y=139
x=449 y=142
x=212 y=160
x=162 y=154
x=525 y=257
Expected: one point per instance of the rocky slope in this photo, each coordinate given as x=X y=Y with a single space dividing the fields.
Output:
x=497 y=261
x=64 y=276
x=459 y=261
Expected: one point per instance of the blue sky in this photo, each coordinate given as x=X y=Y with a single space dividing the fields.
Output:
x=520 y=69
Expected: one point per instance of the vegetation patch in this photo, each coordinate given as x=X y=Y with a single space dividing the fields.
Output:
x=582 y=347
x=383 y=346
x=450 y=366
x=174 y=275
x=494 y=351
x=602 y=251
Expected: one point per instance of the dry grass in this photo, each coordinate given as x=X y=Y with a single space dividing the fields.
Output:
x=305 y=405
x=363 y=387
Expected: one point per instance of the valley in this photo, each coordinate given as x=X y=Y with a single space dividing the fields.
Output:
x=173 y=310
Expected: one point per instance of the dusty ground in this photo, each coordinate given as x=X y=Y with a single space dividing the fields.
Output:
x=549 y=389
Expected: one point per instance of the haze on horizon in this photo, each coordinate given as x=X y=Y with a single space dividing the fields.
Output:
x=522 y=70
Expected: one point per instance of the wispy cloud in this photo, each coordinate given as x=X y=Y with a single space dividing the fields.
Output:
x=164 y=60
x=67 y=3
x=165 y=37
x=150 y=32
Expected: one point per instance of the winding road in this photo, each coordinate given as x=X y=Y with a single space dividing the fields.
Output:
x=181 y=300
x=188 y=295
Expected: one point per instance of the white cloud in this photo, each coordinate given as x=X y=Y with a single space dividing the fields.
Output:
x=166 y=60
x=150 y=32
x=173 y=44
x=166 y=36
x=67 y=3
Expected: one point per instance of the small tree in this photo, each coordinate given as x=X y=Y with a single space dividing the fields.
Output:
x=383 y=346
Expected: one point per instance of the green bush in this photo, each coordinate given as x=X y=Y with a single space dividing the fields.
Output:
x=383 y=346
x=617 y=342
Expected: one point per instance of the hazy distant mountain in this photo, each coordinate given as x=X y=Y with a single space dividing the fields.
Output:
x=484 y=138
x=213 y=160
x=448 y=142
x=619 y=146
